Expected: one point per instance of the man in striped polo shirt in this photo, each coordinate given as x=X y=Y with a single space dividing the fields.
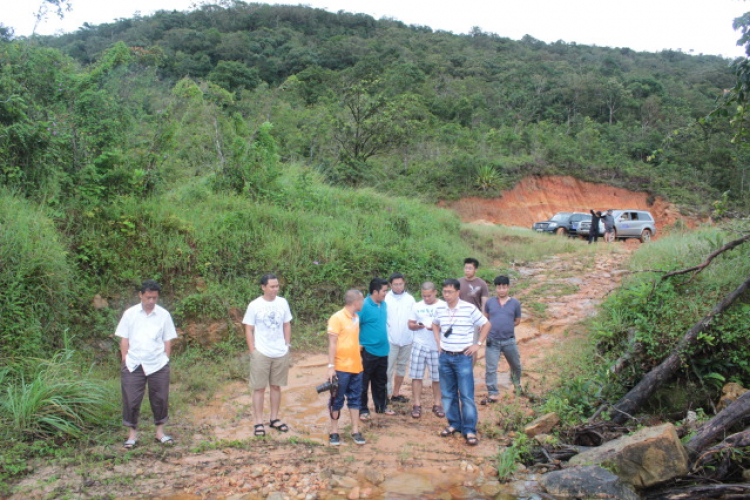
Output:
x=453 y=327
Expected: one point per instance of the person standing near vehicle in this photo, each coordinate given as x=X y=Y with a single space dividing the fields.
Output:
x=504 y=313
x=453 y=328
x=268 y=332
x=474 y=290
x=400 y=337
x=146 y=332
x=609 y=226
x=345 y=363
x=594 y=231
x=424 y=353
x=373 y=337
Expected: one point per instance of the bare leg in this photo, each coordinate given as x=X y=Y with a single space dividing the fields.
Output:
x=437 y=398
x=275 y=397
x=159 y=431
x=397 y=381
x=355 y=420
x=416 y=389
x=258 y=396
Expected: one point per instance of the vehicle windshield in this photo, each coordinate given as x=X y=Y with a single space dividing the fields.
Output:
x=579 y=217
x=560 y=218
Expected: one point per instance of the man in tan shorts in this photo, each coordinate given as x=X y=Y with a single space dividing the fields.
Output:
x=268 y=332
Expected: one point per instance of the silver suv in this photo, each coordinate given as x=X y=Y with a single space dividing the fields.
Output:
x=628 y=224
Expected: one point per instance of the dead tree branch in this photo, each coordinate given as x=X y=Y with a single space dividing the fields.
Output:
x=700 y=267
x=634 y=399
x=718 y=425
x=738 y=440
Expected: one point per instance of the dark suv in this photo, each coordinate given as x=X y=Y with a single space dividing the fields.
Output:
x=561 y=223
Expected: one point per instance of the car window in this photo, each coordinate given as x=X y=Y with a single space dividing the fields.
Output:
x=560 y=218
x=645 y=216
x=634 y=216
x=625 y=216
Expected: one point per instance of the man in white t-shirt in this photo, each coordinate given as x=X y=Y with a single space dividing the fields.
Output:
x=400 y=336
x=146 y=332
x=269 y=335
x=424 y=351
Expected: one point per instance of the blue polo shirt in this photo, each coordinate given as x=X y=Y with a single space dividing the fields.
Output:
x=373 y=327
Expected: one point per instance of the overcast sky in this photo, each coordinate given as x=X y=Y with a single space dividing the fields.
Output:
x=697 y=26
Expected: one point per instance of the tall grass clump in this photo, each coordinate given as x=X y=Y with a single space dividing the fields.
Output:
x=53 y=399
x=36 y=280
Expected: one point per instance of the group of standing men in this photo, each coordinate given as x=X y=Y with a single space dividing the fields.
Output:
x=372 y=340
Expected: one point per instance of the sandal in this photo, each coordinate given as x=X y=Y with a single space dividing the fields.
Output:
x=448 y=431
x=471 y=440
x=259 y=431
x=279 y=425
x=416 y=411
x=488 y=401
x=365 y=417
x=130 y=444
x=389 y=412
x=438 y=411
x=165 y=440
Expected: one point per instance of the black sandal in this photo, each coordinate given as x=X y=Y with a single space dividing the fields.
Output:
x=472 y=440
x=260 y=431
x=448 y=431
x=488 y=401
x=279 y=425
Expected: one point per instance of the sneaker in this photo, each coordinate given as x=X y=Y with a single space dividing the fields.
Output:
x=357 y=437
x=334 y=440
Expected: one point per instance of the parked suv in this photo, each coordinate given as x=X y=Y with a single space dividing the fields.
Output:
x=560 y=223
x=634 y=224
x=628 y=224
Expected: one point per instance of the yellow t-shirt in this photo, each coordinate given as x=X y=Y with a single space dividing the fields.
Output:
x=346 y=327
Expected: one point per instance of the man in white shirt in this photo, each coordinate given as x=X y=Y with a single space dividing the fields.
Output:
x=400 y=303
x=454 y=327
x=146 y=332
x=424 y=352
x=268 y=332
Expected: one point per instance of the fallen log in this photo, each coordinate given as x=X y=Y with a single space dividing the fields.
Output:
x=700 y=267
x=708 y=432
x=634 y=399
x=701 y=492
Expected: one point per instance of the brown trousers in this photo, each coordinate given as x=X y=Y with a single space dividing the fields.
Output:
x=134 y=387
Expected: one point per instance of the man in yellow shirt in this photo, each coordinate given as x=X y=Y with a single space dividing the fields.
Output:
x=345 y=363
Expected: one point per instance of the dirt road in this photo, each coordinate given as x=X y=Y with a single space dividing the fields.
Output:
x=217 y=457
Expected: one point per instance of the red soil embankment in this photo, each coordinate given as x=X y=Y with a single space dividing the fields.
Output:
x=536 y=199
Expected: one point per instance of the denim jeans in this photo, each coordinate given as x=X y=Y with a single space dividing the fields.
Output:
x=457 y=388
x=508 y=348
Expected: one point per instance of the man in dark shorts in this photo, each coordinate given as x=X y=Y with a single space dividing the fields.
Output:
x=345 y=363
x=504 y=313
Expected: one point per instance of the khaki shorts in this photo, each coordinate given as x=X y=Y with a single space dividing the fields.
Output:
x=266 y=371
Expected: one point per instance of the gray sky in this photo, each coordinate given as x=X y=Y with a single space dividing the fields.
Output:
x=697 y=26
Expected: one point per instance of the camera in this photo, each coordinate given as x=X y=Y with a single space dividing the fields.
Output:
x=328 y=385
x=448 y=332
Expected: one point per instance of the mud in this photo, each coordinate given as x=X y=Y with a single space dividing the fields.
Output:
x=536 y=199
x=216 y=456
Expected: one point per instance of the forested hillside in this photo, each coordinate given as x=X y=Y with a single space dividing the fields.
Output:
x=407 y=109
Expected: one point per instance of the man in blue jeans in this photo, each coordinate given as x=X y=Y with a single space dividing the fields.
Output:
x=453 y=328
x=505 y=314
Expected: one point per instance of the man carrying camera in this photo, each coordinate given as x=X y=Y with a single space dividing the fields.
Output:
x=345 y=365
x=454 y=328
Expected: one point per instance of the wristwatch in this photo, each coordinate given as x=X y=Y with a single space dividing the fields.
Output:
x=480 y=343
x=331 y=366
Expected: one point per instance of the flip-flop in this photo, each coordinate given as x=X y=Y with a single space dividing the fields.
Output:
x=389 y=412
x=130 y=444
x=488 y=401
x=259 y=431
x=472 y=440
x=448 y=431
x=416 y=411
x=165 y=440
x=438 y=411
x=279 y=425
x=365 y=417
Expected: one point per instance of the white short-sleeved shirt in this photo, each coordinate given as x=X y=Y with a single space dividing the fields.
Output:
x=268 y=318
x=146 y=334
x=399 y=309
x=425 y=313
x=461 y=320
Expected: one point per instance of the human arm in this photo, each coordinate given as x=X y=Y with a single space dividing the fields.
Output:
x=332 y=344
x=288 y=333
x=250 y=337
x=483 y=332
x=168 y=347
x=436 y=332
x=124 y=346
x=414 y=326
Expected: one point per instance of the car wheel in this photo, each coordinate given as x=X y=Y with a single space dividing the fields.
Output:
x=560 y=231
x=646 y=236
